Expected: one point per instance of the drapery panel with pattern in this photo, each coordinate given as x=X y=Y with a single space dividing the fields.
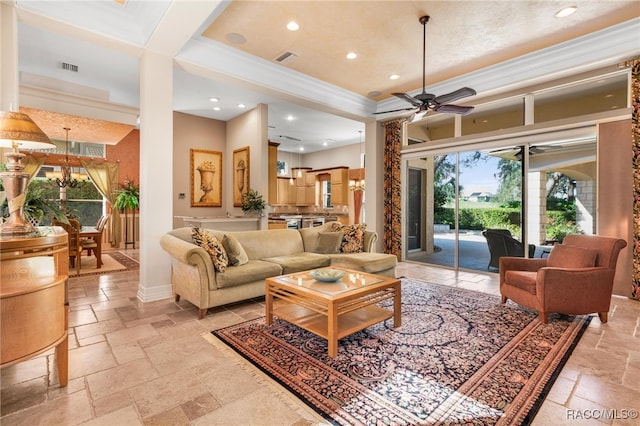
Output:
x=635 y=138
x=392 y=210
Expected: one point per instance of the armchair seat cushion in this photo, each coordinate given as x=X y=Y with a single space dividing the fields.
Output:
x=524 y=280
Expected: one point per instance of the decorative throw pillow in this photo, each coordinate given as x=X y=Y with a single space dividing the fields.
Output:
x=235 y=252
x=329 y=242
x=352 y=238
x=210 y=243
x=565 y=256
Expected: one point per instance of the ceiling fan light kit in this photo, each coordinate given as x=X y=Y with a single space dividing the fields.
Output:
x=424 y=101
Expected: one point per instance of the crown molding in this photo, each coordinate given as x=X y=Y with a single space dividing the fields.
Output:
x=262 y=75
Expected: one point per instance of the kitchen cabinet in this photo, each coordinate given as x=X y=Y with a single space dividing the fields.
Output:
x=339 y=186
x=286 y=191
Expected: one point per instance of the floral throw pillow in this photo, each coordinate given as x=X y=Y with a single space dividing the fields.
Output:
x=210 y=243
x=352 y=238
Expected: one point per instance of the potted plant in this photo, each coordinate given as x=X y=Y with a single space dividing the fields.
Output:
x=128 y=199
x=253 y=203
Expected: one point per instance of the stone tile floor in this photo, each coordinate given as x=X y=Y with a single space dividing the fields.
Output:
x=132 y=363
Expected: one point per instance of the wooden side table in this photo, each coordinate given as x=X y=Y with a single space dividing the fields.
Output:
x=34 y=305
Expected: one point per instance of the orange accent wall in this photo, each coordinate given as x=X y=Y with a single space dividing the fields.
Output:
x=127 y=153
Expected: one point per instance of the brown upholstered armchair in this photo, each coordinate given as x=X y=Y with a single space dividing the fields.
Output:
x=576 y=278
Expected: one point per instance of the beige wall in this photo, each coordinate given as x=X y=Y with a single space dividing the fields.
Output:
x=191 y=132
x=248 y=129
x=344 y=156
x=615 y=195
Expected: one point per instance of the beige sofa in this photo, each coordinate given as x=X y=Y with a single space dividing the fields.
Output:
x=271 y=252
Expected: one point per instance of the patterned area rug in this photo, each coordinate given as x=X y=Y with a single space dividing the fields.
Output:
x=111 y=262
x=459 y=358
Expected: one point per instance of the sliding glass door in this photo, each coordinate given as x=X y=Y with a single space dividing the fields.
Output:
x=453 y=198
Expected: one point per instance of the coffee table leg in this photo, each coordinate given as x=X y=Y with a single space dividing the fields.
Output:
x=397 y=306
x=332 y=333
x=268 y=301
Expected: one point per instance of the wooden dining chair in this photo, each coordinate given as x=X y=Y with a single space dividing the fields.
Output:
x=75 y=250
x=89 y=244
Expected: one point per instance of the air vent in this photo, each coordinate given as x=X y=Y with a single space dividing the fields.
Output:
x=285 y=57
x=291 y=138
x=69 y=67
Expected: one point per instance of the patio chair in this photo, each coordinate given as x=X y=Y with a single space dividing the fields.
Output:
x=501 y=243
x=576 y=278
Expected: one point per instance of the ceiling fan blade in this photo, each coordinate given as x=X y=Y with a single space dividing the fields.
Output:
x=455 y=95
x=455 y=109
x=413 y=101
x=394 y=110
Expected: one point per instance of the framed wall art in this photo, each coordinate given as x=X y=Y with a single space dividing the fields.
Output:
x=206 y=178
x=240 y=174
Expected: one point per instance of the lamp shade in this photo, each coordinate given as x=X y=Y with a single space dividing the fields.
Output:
x=18 y=129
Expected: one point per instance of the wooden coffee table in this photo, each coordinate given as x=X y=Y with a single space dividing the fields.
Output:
x=332 y=310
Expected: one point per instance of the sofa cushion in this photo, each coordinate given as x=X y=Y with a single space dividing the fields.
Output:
x=524 y=280
x=566 y=256
x=235 y=252
x=329 y=242
x=251 y=271
x=210 y=243
x=352 y=238
x=365 y=262
x=302 y=261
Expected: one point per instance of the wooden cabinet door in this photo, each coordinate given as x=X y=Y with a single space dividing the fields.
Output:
x=310 y=195
x=283 y=190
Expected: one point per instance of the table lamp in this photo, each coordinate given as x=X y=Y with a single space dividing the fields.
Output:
x=18 y=130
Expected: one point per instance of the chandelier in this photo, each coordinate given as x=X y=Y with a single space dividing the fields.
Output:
x=66 y=177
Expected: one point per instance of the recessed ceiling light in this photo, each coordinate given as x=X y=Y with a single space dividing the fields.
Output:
x=563 y=13
x=302 y=148
x=324 y=143
x=352 y=55
x=235 y=38
x=214 y=99
x=394 y=77
x=241 y=105
x=216 y=108
x=293 y=26
x=290 y=117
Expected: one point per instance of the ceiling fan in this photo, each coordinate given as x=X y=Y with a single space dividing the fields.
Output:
x=426 y=101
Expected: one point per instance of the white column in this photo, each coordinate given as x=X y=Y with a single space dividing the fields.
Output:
x=8 y=57
x=373 y=154
x=156 y=174
x=536 y=207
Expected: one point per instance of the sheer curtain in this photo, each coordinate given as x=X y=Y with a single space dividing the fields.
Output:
x=105 y=177
x=32 y=164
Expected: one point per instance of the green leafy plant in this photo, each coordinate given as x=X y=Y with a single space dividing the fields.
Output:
x=128 y=197
x=38 y=207
x=252 y=202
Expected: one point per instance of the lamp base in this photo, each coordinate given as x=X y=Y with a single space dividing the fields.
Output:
x=15 y=184
x=17 y=229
